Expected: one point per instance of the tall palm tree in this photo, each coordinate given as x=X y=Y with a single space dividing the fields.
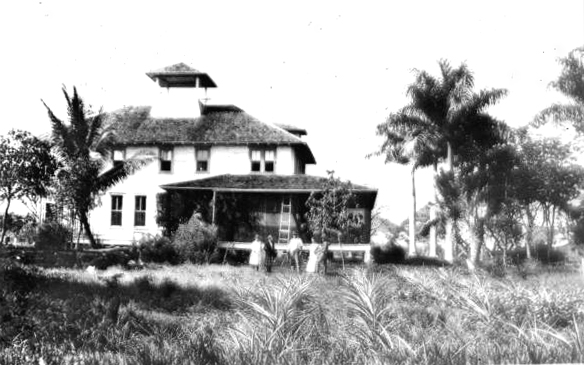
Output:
x=409 y=140
x=83 y=146
x=451 y=112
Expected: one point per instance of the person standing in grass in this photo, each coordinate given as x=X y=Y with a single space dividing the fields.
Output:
x=312 y=264
x=255 y=256
x=294 y=248
x=269 y=253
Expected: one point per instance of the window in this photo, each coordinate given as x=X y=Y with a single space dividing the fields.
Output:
x=166 y=159
x=263 y=160
x=256 y=160
x=140 y=211
x=202 y=156
x=117 y=204
x=119 y=157
x=269 y=160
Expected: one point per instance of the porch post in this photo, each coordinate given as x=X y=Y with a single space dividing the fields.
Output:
x=214 y=203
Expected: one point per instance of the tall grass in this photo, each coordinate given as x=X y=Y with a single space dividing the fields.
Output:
x=224 y=315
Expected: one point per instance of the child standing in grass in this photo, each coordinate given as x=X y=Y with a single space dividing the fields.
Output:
x=255 y=257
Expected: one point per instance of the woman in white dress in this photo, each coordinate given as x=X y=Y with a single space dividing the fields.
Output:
x=255 y=256
x=312 y=264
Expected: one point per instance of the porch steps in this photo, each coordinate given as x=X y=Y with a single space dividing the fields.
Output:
x=285 y=220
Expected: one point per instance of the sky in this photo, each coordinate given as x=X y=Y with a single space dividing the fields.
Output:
x=334 y=68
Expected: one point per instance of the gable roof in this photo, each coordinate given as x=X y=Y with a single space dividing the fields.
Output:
x=135 y=126
x=181 y=75
x=260 y=182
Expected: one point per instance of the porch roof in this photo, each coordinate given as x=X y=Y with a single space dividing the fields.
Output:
x=261 y=183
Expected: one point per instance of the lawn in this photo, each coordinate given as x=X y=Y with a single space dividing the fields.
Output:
x=234 y=315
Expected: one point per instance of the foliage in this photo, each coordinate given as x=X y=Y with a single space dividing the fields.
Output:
x=52 y=236
x=571 y=84
x=195 y=240
x=328 y=210
x=158 y=249
x=83 y=146
x=389 y=254
x=235 y=316
x=26 y=169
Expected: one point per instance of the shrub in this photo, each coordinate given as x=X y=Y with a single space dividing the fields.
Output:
x=541 y=252
x=195 y=240
x=159 y=250
x=390 y=254
x=52 y=236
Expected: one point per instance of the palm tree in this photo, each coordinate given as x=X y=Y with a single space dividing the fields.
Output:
x=83 y=146
x=447 y=109
x=571 y=84
x=409 y=140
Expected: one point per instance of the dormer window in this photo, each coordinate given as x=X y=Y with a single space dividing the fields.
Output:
x=118 y=156
x=263 y=160
x=202 y=156
x=166 y=160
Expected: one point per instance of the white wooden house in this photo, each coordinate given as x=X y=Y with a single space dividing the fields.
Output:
x=218 y=152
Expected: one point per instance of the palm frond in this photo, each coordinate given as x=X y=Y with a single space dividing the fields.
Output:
x=120 y=172
x=561 y=113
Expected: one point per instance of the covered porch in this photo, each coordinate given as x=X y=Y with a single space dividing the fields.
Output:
x=244 y=205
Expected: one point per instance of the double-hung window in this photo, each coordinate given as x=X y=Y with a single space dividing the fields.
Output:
x=166 y=159
x=140 y=211
x=118 y=156
x=202 y=156
x=263 y=160
x=117 y=205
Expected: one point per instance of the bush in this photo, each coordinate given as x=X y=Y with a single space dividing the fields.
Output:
x=541 y=253
x=159 y=250
x=52 y=236
x=390 y=254
x=196 y=240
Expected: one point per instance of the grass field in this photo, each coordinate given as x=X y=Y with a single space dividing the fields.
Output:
x=234 y=315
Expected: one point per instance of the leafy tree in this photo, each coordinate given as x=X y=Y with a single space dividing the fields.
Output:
x=449 y=113
x=26 y=169
x=328 y=209
x=83 y=146
x=546 y=179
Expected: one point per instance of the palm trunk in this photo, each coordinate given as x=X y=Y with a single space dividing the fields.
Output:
x=477 y=242
x=448 y=243
x=433 y=207
x=529 y=233
x=87 y=228
x=4 y=220
x=412 y=243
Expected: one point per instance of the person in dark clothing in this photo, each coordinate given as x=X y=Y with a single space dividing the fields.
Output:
x=270 y=253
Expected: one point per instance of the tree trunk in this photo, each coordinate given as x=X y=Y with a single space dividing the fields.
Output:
x=551 y=230
x=529 y=233
x=4 y=220
x=448 y=240
x=412 y=243
x=477 y=242
x=433 y=207
x=87 y=228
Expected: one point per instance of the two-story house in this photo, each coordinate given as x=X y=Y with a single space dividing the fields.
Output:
x=241 y=173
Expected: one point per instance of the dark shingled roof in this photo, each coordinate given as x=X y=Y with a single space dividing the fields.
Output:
x=135 y=126
x=260 y=182
x=181 y=75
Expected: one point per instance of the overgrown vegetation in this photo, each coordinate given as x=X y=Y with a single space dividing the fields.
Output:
x=225 y=315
